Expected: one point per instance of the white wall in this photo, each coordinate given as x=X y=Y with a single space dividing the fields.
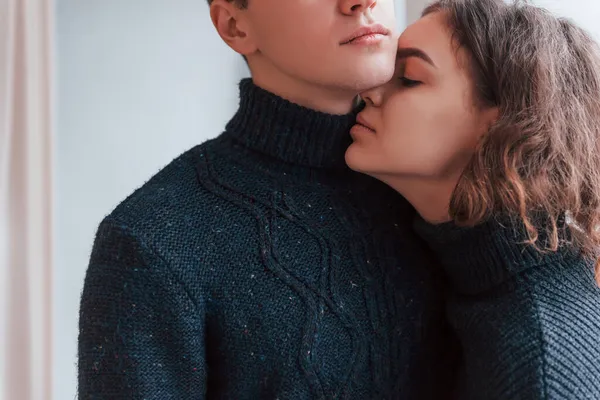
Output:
x=139 y=82
x=584 y=12
x=414 y=8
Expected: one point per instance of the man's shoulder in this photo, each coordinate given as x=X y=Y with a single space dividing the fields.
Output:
x=174 y=200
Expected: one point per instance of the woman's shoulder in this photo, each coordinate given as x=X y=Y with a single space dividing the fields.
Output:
x=566 y=298
x=537 y=334
x=566 y=302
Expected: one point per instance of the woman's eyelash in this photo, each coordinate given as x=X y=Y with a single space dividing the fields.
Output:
x=408 y=82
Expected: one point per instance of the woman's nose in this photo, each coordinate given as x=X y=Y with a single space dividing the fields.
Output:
x=373 y=97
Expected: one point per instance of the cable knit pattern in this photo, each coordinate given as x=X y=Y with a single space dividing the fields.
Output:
x=257 y=266
x=528 y=322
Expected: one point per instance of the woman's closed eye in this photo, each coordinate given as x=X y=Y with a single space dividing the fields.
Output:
x=408 y=83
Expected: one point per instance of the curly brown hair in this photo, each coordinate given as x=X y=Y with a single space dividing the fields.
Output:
x=542 y=156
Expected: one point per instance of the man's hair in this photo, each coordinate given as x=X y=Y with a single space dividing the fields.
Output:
x=239 y=3
x=542 y=156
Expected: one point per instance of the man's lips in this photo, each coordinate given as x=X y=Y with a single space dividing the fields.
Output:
x=370 y=30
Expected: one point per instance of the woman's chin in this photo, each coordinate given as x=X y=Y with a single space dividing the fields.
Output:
x=361 y=160
x=356 y=161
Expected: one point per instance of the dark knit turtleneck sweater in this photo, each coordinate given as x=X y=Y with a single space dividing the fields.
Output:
x=528 y=322
x=257 y=266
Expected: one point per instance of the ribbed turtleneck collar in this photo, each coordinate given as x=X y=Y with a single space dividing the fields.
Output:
x=294 y=134
x=480 y=258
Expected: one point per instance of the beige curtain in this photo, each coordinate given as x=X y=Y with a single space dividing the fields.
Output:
x=25 y=198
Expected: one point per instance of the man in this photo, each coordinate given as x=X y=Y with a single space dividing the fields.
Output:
x=257 y=265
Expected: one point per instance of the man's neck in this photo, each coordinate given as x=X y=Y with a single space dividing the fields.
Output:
x=297 y=135
x=305 y=94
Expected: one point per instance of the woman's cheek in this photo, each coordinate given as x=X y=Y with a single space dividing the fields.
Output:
x=394 y=107
x=402 y=115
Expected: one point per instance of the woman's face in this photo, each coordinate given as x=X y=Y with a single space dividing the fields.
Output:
x=425 y=123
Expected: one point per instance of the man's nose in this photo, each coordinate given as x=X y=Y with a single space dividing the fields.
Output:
x=351 y=7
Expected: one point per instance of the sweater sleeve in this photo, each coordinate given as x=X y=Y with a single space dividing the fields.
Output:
x=141 y=336
x=528 y=322
x=535 y=337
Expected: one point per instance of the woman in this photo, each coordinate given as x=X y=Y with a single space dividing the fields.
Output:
x=491 y=129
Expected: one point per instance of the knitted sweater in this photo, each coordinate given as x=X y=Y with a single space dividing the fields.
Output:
x=529 y=323
x=258 y=266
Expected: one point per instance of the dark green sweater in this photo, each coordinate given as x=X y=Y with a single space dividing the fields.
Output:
x=529 y=323
x=257 y=266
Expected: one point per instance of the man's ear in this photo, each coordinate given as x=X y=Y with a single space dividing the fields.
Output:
x=231 y=24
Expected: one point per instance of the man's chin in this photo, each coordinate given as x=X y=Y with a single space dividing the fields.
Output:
x=370 y=75
x=373 y=80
